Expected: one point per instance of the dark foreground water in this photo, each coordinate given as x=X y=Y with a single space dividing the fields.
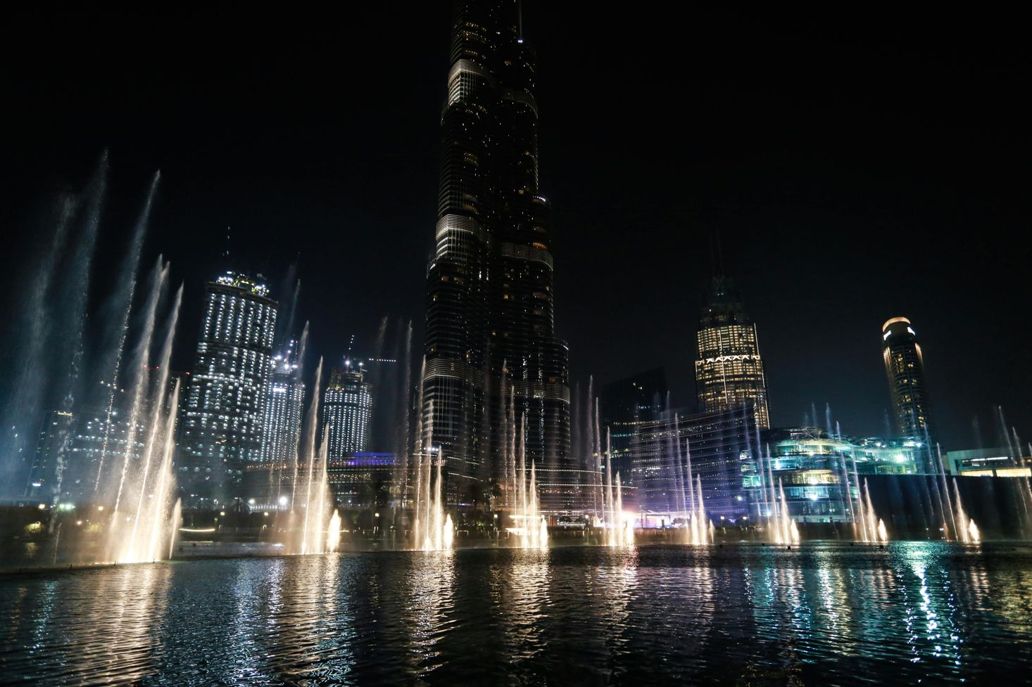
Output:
x=825 y=614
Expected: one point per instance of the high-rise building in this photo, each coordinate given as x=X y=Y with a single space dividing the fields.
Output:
x=719 y=448
x=904 y=367
x=54 y=436
x=347 y=409
x=221 y=430
x=284 y=400
x=626 y=406
x=490 y=320
x=72 y=447
x=728 y=370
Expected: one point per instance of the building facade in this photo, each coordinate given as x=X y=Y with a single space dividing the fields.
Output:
x=625 y=406
x=904 y=368
x=347 y=409
x=283 y=408
x=728 y=368
x=362 y=479
x=821 y=474
x=73 y=446
x=221 y=429
x=998 y=461
x=491 y=339
x=716 y=448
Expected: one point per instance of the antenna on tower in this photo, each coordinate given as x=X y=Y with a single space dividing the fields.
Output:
x=225 y=253
x=519 y=20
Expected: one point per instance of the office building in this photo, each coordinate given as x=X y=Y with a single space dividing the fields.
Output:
x=490 y=298
x=221 y=429
x=347 y=409
x=904 y=368
x=283 y=408
x=728 y=368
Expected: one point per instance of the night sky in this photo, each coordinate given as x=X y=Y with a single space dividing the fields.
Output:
x=856 y=167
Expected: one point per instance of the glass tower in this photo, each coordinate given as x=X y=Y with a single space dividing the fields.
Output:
x=491 y=340
x=904 y=366
x=347 y=409
x=222 y=424
x=284 y=400
x=728 y=370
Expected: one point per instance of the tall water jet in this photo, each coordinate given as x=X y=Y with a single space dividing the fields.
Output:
x=144 y=515
x=432 y=529
x=783 y=530
x=153 y=482
x=315 y=529
x=618 y=528
x=25 y=384
x=333 y=533
x=966 y=531
x=157 y=516
x=110 y=368
x=49 y=338
x=138 y=402
x=869 y=528
x=130 y=479
x=306 y=438
x=531 y=525
x=309 y=519
x=699 y=530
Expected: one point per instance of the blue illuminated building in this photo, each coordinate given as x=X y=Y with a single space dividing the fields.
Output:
x=362 y=479
x=812 y=466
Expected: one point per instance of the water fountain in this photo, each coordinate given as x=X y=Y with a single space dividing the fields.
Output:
x=698 y=530
x=333 y=533
x=432 y=529
x=618 y=527
x=531 y=527
x=966 y=531
x=131 y=482
x=869 y=528
x=310 y=522
x=140 y=527
x=783 y=530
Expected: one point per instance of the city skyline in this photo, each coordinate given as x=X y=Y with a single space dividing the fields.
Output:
x=777 y=255
x=525 y=342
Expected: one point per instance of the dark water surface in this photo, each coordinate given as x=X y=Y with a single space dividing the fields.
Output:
x=825 y=614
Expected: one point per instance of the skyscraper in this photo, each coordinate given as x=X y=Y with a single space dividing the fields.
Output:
x=222 y=426
x=627 y=405
x=718 y=447
x=490 y=325
x=728 y=370
x=347 y=408
x=904 y=367
x=283 y=408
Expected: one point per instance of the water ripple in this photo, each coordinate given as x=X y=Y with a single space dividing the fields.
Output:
x=823 y=614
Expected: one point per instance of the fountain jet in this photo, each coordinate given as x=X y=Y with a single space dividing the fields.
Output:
x=433 y=529
x=698 y=529
x=531 y=525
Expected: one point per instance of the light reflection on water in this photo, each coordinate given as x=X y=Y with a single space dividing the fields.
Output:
x=824 y=614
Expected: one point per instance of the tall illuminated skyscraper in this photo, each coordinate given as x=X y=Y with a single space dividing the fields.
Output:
x=904 y=367
x=284 y=400
x=221 y=429
x=728 y=370
x=490 y=320
x=347 y=409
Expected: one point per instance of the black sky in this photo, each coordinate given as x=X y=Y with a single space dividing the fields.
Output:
x=857 y=166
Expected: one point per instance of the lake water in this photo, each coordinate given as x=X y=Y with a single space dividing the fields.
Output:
x=823 y=614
